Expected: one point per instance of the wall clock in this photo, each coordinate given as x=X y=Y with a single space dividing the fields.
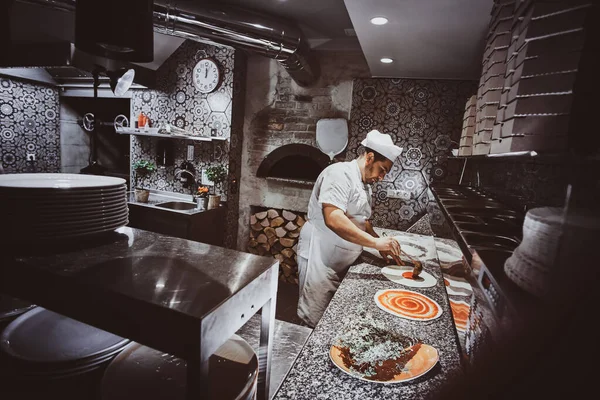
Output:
x=207 y=75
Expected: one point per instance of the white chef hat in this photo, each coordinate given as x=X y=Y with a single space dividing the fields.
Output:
x=383 y=144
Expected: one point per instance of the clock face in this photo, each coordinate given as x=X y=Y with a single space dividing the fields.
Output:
x=206 y=75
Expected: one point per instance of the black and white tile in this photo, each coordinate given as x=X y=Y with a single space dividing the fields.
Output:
x=29 y=124
x=178 y=102
x=424 y=117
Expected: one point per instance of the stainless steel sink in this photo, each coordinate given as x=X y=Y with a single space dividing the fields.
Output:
x=177 y=205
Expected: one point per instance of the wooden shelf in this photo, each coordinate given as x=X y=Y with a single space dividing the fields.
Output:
x=153 y=132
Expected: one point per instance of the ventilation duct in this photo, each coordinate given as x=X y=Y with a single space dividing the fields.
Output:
x=206 y=23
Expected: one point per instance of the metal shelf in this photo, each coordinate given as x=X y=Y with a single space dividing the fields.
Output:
x=153 y=132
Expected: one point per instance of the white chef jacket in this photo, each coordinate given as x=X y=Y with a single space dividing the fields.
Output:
x=323 y=256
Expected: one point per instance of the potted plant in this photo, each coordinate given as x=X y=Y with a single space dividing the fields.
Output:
x=217 y=174
x=201 y=197
x=142 y=168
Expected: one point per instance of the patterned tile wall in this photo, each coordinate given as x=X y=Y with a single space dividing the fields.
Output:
x=29 y=123
x=178 y=102
x=424 y=117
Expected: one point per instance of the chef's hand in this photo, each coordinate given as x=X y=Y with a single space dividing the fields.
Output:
x=388 y=244
x=394 y=259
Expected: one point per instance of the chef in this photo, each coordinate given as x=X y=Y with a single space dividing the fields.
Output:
x=338 y=224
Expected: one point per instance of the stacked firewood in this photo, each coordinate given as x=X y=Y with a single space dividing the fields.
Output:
x=275 y=233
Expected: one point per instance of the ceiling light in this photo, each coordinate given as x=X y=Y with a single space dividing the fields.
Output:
x=379 y=20
x=120 y=81
x=386 y=60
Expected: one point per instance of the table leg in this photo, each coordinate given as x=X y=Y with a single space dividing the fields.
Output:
x=265 y=347
x=197 y=384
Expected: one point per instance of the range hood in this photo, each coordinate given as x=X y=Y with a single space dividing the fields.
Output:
x=41 y=41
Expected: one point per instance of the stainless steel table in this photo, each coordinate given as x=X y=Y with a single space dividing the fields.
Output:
x=178 y=296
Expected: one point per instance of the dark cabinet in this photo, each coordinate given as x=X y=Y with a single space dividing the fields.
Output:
x=205 y=226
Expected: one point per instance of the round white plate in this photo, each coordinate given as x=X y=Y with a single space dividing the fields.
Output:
x=415 y=298
x=84 y=232
x=69 y=207
x=457 y=286
x=395 y=272
x=82 y=215
x=421 y=363
x=57 y=181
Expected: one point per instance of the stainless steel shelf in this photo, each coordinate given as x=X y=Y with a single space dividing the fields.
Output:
x=153 y=132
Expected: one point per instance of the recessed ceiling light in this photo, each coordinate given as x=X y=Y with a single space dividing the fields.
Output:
x=386 y=60
x=379 y=20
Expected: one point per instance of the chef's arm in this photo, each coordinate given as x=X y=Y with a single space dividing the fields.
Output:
x=338 y=222
x=370 y=230
x=384 y=253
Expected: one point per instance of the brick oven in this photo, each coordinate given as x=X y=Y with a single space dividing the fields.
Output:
x=281 y=161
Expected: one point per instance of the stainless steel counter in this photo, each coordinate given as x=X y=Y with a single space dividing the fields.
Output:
x=175 y=295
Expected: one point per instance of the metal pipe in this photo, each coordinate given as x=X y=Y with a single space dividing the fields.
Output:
x=229 y=26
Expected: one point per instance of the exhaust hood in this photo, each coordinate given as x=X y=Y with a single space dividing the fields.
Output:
x=42 y=33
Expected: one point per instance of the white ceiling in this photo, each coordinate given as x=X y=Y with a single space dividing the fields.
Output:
x=436 y=39
x=322 y=21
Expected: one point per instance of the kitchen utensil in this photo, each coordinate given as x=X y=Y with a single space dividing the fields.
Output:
x=332 y=136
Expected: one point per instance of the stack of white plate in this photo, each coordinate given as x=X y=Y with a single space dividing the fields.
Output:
x=534 y=264
x=55 y=207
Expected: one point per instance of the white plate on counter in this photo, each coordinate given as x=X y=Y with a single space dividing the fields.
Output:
x=408 y=304
x=421 y=362
x=401 y=275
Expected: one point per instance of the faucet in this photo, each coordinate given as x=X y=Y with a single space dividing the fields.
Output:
x=187 y=168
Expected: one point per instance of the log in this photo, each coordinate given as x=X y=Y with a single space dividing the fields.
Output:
x=288 y=253
x=290 y=216
x=294 y=234
x=272 y=214
x=262 y=238
x=280 y=232
x=279 y=257
x=287 y=270
x=261 y=215
x=257 y=227
x=286 y=242
x=253 y=220
x=290 y=226
x=270 y=232
x=277 y=247
x=252 y=243
x=300 y=221
x=273 y=240
x=252 y=250
x=265 y=222
x=277 y=222
x=295 y=248
x=263 y=251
